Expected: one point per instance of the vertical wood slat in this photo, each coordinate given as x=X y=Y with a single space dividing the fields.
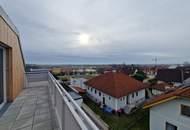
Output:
x=15 y=66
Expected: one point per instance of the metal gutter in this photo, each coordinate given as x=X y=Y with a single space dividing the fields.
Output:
x=161 y=101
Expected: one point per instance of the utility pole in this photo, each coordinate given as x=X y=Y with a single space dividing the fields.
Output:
x=155 y=60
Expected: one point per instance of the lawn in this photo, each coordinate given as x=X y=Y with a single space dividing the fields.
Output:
x=124 y=121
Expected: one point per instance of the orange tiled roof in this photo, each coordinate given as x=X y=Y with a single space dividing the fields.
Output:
x=183 y=92
x=116 y=84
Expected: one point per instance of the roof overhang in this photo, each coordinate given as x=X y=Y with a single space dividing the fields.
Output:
x=13 y=28
x=159 y=102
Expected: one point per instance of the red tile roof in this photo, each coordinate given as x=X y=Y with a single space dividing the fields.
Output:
x=183 y=92
x=161 y=86
x=116 y=84
x=79 y=89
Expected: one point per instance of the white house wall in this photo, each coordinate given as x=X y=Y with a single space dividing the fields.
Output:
x=156 y=92
x=78 y=82
x=169 y=112
x=121 y=102
x=135 y=99
x=115 y=103
x=109 y=100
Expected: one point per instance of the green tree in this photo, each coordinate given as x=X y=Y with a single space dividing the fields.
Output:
x=139 y=75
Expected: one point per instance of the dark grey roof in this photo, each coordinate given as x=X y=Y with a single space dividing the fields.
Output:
x=75 y=95
x=170 y=75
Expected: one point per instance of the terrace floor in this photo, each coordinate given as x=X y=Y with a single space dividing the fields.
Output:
x=32 y=110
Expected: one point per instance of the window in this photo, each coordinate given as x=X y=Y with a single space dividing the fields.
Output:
x=109 y=98
x=185 y=110
x=2 y=76
x=95 y=91
x=127 y=100
x=170 y=126
x=137 y=93
x=91 y=89
x=88 y=88
x=133 y=95
x=99 y=93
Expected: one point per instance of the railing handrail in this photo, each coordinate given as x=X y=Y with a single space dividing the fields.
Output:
x=77 y=118
x=77 y=108
x=37 y=72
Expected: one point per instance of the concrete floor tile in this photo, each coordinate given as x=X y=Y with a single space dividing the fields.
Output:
x=25 y=115
x=7 y=119
x=6 y=126
x=31 y=109
x=22 y=123
x=25 y=128
x=12 y=113
x=41 y=118
x=27 y=110
x=43 y=126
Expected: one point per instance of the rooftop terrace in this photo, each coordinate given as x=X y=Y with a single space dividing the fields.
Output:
x=44 y=105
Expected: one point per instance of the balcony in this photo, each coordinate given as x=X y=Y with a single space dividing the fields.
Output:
x=44 y=105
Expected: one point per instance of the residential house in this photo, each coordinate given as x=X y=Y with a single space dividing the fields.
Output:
x=78 y=89
x=186 y=72
x=159 y=88
x=186 y=82
x=176 y=75
x=78 y=81
x=116 y=90
x=90 y=71
x=170 y=111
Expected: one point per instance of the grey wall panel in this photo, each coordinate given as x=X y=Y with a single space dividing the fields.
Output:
x=1 y=77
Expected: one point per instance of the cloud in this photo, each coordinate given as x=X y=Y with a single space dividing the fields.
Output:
x=121 y=31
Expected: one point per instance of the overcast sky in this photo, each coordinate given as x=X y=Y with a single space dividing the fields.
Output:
x=130 y=31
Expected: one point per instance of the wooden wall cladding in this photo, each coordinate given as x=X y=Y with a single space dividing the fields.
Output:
x=15 y=64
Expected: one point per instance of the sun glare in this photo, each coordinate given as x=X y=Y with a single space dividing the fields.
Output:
x=84 y=39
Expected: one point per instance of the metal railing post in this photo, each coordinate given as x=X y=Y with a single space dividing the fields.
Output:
x=63 y=116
